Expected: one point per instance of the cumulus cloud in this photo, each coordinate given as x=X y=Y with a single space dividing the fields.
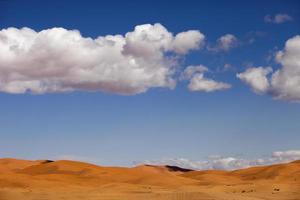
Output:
x=195 y=74
x=224 y=43
x=284 y=83
x=229 y=163
x=60 y=60
x=256 y=78
x=200 y=83
x=278 y=18
x=286 y=156
x=191 y=70
x=185 y=41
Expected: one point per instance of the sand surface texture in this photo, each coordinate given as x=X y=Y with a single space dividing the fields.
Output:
x=72 y=180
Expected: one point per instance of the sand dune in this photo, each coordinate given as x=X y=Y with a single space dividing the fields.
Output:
x=44 y=179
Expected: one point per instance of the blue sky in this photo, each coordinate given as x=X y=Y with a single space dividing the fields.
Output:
x=113 y=129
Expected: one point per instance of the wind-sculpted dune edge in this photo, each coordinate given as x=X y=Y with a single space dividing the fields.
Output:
x=72 y=180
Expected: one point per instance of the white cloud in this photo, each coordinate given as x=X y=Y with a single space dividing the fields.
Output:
x=256 y=78
x=199 y=83
x=229 y=163
x=226 y=42
x=284 y=83
x=60 y=60
x=185 y=41
x=191 y=70
x=278 y=18
x=286 y=156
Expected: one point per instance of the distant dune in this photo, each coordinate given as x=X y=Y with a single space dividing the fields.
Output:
x=72 y=180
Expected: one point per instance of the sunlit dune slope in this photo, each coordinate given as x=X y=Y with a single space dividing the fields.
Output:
x=278 y=172
x=11 y=164
x=76 y=172
x=63 y=179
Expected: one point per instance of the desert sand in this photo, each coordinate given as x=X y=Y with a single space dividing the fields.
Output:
x=72 y=180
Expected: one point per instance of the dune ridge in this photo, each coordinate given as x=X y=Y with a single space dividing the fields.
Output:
x=65 y=179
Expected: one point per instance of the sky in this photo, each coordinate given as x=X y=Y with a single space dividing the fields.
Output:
x=201 y=84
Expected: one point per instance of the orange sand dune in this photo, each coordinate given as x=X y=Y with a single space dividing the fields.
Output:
x=9 y=164
x=71 y=180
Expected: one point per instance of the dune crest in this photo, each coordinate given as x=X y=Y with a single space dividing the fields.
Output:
x=64 y=179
